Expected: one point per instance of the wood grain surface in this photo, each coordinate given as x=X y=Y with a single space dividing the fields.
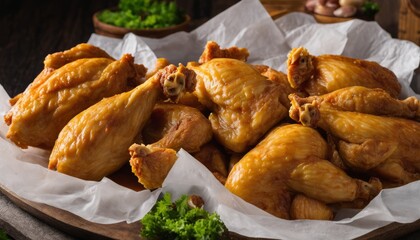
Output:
x=83 y=229
x=72 y=224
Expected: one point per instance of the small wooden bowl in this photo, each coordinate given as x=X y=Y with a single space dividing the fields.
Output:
x=119 y=32
x=330 y=19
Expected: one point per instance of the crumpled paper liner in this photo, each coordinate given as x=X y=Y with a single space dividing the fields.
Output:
x=248 y=25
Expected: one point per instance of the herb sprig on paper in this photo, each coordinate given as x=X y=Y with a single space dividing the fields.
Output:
x=183 y=219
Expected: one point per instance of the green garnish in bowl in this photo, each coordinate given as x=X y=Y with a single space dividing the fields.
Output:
x=143 y=14
x=370 y=8
x=183 y=219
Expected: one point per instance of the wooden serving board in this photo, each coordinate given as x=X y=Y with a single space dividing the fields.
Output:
x=73 y=224
x=83 y=229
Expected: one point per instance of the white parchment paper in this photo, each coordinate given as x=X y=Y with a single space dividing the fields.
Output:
x=248 y=25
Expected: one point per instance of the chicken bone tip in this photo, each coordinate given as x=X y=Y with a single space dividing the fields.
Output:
x=306 y=113
x=176 y=80
x=300 y=66
x=139 y=150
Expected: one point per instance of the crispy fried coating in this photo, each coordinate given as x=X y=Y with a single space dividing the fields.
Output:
x=212 y=50
x=380 y=146
x=151 y=164
x=214 y=159
x=317 y=75
x=374 y=101
x=304 y=207
x=244 y=104
x=160 y=64
x=279 y=78
x=56 y=96
x=289 y=160
x=94 y=143
x=177 y=126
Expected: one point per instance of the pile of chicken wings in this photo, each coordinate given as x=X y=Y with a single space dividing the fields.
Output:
x=329 y=133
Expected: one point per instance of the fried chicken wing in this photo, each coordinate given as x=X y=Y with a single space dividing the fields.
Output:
x=94 y=143
x=80 y=51
x=214 y=159
x=304 y=207
x=244 y=104
x=56 y=97
x=160 y=64
x=290 y=160
x=59 y=59
x=212 y=50
x=364 y=100
x=385 y=147
x=151 y=164
x=279 y=78
x=317 y=75
x=176 y=126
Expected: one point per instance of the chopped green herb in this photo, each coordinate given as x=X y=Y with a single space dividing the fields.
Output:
x=370 y=8
x=181 y=220
x=143 y=14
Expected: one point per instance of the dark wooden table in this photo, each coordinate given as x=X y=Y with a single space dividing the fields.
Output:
x=32 y=29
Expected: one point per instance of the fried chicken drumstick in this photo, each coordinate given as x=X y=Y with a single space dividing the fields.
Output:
x=170 y=128
x=94 y=143
x=70 y=82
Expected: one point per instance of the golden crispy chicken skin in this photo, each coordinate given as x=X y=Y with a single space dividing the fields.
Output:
x=214 y=159
x=304 y=207
x=83 y=50
x=279 y=78
x=94 y=143
x=160 y=63
x=177 y=126
x=317 y=75
x=385 y=147
x=56 y=97
x=151 y=164
x=244 y=104
x=374 y=101
x=290 y=160
x=212 y=50
x=59 y=59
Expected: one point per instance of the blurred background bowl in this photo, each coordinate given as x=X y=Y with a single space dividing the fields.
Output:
x=119 y=32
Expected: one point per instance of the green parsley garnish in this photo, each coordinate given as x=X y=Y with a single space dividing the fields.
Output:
x=370 y=8
x=143 y=14
x=182 y=220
